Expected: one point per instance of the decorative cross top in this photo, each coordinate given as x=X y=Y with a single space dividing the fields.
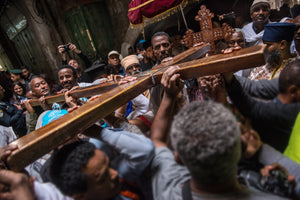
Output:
x=207 y=33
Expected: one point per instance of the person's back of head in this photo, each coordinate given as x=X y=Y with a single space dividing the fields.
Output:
x=66 y=167
x=207 y=138
x=289 y=79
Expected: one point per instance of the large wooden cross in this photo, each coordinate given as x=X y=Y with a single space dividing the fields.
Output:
x=188 y=55
x=41 y=141
x=207 y=33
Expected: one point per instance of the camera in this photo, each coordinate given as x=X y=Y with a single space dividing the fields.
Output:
x=276 y=183
x=66 y=47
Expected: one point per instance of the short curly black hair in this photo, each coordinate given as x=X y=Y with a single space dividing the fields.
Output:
x=160 y=34
x=68 y=67
x=66 y=167
x=24 y=67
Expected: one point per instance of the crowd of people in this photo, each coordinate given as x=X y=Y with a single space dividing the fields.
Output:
x=225 y=136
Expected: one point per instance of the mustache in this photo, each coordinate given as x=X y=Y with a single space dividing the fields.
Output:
x=136 y=72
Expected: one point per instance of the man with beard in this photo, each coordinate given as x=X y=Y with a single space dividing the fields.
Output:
x=260 y=12
x=162 y=47
x=147 y=62
x=27 y=74
x=140 y=104
x=131 y=65
x=277 y=37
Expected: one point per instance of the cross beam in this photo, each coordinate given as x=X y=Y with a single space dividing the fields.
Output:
x=41 y=141
x=188 y=55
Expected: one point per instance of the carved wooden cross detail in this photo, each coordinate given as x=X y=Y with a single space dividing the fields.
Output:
x=207 y=33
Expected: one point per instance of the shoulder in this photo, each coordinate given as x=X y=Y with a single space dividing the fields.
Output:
x=164 y=164
x=168 y=176
x=248 y=27
x=48 y=191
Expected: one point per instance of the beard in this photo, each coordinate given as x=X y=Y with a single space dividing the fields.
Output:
x=273 y=58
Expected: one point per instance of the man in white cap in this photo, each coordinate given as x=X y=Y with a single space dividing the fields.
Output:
x=260 y=12
x=140 y=104
x=131 y=65
x=114 y=66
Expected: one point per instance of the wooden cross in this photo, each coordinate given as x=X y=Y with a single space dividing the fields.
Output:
x=43 y=140
x=188 y=55
x=207 y=33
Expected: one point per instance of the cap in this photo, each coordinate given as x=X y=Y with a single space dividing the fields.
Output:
x=16 y=71
x=129 y=60
x=112 y=53
x=257 y=2
x=276 y=32
x=140 y=46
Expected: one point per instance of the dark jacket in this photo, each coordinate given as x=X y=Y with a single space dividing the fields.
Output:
x=273 y=121
x=12 y=116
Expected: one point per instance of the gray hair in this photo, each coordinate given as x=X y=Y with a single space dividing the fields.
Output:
x=238 y=30
x=207 y=138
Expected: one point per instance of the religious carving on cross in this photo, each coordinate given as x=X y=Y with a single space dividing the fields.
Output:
x=207 y=33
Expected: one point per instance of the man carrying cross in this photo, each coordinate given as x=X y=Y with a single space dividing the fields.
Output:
x=278 y=38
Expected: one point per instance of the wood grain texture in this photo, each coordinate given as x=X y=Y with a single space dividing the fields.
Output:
x=43 y=140
x=188 y=55
x=84 y=92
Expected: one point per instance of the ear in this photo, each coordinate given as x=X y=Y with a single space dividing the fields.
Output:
x=292 y=92
x=283 y=44
x=292 y=89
